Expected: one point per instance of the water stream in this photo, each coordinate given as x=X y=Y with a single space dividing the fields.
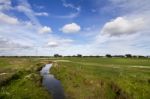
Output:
x=51 y=83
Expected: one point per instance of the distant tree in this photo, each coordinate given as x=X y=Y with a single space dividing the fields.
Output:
x=67 y=56
x=141 y=56
x=108 y=55
x=97 y=56
x=118 y=56
x=79 y=55
x=57 y=55
x=128 y=55
x=134 y=56
x=73 y=56
x=148 y=56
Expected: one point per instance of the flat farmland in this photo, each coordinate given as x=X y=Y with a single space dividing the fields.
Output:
x=104 y=78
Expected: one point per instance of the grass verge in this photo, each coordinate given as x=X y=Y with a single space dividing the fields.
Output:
x=20 y=79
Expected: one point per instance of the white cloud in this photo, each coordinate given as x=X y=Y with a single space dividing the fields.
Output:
x=69 y=5
x=17 y=36
x=71 y=28
x=124 y=26
x=71 y=15
x=23 y=35
x=23 y=8
x=74 y=14
x=27 y=9
x=41 y=14
x=8 y=19
x=5 y=1
x=58 y=42
x=127 y=34
x=131 y=6
x=5 y=4
x=6 y=44
x=67 y=41
x=45 y=29
x=52 y=44
x=65 y=4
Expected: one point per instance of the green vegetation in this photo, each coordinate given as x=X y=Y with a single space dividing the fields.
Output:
x=104 y=78
x=20 y=79
x=82 y=78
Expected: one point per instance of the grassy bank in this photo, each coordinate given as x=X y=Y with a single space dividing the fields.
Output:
x=20 y=79
x=104 y=78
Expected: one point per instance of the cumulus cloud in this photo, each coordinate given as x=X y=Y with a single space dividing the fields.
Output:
x=125 y=34
x=71 y=28
x=8 y=19
x=57 y=42
x=123 y=26
x=45 y=29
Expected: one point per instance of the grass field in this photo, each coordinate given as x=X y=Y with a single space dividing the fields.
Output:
x=82 y=78
x=20 y=79
x=104 y=78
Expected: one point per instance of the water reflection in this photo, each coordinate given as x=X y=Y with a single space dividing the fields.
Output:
x=52 y=84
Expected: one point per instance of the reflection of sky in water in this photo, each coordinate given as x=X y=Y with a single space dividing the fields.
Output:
x=52 y=85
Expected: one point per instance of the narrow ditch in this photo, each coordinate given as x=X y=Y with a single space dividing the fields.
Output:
x=51 y=83
x=120 y=94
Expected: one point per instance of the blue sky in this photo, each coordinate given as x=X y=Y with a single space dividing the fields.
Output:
x=69 y=27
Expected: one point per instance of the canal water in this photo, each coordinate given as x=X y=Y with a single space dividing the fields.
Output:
x=51 y=83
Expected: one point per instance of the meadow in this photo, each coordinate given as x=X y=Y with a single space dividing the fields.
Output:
x=82 y=78
x=104 y=78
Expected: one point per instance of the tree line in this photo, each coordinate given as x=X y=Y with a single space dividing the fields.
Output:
x=80 y=55
x=106 y=56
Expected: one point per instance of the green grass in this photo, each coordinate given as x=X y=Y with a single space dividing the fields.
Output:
x=104 y=78
x=82 y=78
x=20 y=79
